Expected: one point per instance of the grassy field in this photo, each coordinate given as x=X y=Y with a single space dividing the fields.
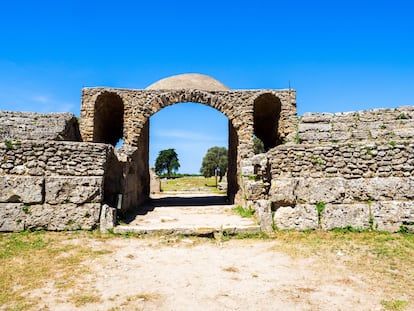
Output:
x=383 y=258
x=30 y=260
x=190 y=184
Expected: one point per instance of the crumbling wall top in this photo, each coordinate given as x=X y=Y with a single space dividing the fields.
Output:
x=38 y=126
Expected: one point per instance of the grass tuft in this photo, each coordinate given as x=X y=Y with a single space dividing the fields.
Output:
x=244 y=212
x=394 y=305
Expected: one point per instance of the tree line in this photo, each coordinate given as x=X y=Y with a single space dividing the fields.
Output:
x=214 y=163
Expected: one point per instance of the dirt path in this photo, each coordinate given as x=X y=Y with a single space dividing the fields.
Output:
x=178 y=274
x=169 y=274
x=187 y=213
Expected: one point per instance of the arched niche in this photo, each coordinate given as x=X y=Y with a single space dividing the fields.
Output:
x=266 y=115
x=108 y=118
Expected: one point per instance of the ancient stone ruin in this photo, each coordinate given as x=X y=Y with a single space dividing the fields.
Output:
x=319 y=171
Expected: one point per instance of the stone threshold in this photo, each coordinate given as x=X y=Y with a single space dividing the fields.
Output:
x=186 y=230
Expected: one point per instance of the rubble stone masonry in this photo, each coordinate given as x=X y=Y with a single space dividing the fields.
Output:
x=320 y=171
x=345 y=170
x=51 y=185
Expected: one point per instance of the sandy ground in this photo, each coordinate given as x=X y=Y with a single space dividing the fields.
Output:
x=167 y=273
x=171 y=273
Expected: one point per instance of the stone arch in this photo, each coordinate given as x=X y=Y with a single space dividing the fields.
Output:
x=165 y=99
x=248 y=111
x=108 y=118
x=266 y=116
x=181 y=96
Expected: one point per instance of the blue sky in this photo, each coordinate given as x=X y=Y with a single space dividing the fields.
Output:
x=338 y=55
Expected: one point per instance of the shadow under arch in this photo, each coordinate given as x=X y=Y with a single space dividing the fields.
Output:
x=266 y=116
x=108 y=118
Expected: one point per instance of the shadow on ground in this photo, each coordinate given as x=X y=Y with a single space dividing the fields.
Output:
x=175 y=201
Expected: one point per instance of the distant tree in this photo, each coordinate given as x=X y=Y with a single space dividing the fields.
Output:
x=258 y=146
x=215 y=161
x=167 y=160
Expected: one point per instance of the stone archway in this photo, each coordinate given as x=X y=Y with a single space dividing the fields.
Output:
x=270 y=114
x=178 y=96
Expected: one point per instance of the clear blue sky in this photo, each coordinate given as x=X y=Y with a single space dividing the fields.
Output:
x=338 y=55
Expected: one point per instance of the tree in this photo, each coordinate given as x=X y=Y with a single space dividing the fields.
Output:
x=258 y=146
x=215 y=162
x=167 y=160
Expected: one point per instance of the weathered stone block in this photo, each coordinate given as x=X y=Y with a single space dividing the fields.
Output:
x=404 y=133
x=12 y=217
x=392 y=215
x=23 y=189
x=63 y=217
x=247 y=170
x=340 y=136
x=319 y=127
x=79 y=190
x=36 y=126
x=360 y=134
x=254 y=189
x=315 y=136
x=344 y=215
x=107 y=218
x=299 y=217
x=282 y=191
x=314 y=190
x=390 y=188
x=264 y=213
x=309 y=117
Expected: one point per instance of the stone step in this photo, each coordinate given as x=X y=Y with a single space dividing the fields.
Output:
x=187 y=230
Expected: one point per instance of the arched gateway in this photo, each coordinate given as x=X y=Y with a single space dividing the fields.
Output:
x=109 y=114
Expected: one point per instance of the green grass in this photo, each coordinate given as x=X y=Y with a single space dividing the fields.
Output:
x=395 y=305
x=380 y=257
x=320 y=206
x=244 y=212
x=29 y=259
x=189 y=184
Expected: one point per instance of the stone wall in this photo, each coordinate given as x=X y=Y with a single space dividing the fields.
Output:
x=342 y=170
x=363 y=185
x=51 y=185
x=38 y=126
x=334 y=171
x=107 y=111
x=140 y=105
x=384 y=124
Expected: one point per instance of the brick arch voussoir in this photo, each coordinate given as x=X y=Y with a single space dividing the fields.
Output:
x=185 y=96
x=253 y=98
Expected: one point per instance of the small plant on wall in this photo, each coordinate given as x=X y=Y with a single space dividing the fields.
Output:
x=320 y=206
